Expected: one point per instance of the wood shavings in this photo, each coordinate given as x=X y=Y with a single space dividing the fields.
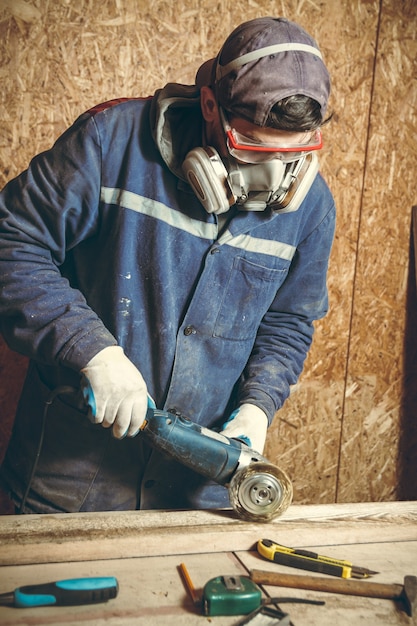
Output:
x=22 y=10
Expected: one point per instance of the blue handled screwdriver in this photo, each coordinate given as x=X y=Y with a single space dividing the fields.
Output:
x=63 y=593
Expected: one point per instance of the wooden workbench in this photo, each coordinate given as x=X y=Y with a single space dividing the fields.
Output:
x=144 y=549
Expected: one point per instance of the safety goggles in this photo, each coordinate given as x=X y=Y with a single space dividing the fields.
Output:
x=249 y=151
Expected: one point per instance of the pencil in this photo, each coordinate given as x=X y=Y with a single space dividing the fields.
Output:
x=189 y=584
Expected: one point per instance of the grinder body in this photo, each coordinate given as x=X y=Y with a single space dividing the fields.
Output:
x=258 y=490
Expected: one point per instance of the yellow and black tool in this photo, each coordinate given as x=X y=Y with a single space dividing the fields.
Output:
x=304 y=559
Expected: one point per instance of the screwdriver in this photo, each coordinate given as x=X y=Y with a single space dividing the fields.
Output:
x=304 y=559
x=68 y=592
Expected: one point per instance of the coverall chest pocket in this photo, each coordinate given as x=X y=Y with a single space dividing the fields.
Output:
x=250 y=290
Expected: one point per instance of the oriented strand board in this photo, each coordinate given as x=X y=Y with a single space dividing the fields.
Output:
x=375 y=376
x=299 y=443
x=305 y=436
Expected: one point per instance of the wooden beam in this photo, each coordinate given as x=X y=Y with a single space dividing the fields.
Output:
x=95 y=536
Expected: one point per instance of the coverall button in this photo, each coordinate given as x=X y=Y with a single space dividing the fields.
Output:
x=149 y=484
x=214 y=250
x=189 y=330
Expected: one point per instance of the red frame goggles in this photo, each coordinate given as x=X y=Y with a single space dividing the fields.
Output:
x=249 y=151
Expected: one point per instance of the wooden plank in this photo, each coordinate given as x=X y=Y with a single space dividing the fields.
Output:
x=152 y=593
x=93 y=536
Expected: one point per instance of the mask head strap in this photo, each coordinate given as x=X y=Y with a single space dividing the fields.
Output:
x=235 y=64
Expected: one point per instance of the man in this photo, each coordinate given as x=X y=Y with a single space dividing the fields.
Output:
x=170 y=250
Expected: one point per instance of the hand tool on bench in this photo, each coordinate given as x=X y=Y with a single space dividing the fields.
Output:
x=73 y=591
x=234 y=595
x=406 y=593
x=305 y=559
x=258 y=490
x=239 y=595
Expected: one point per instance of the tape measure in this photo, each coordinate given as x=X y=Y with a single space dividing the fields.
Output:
x=231 y=595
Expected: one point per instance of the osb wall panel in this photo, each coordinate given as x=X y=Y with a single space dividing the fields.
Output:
x=305 y=435
x=374 y=419
x=59 y=58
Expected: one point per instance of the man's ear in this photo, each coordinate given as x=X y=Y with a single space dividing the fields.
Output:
x=209 y=107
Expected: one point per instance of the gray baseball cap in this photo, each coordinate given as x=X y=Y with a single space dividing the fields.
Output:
x=263 y=61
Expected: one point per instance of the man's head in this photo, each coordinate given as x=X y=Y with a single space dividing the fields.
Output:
x=263 y=100
x=266 y=71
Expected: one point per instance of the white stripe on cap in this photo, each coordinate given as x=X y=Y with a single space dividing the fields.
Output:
x=222 y=70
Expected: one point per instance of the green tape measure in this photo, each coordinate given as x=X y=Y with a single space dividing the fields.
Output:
x=231 y=595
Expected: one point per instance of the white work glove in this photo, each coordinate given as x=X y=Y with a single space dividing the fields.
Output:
x=115 y=392
x=248 y=423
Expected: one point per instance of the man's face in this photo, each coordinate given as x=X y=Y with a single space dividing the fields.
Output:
x=249 y=143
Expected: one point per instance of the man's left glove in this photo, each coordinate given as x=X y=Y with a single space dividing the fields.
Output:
x=249 y=424
x=115 y=391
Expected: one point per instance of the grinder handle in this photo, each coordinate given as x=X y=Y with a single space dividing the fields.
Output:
x=206 y=452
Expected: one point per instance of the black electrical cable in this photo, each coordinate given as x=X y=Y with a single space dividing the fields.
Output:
x=49 y=400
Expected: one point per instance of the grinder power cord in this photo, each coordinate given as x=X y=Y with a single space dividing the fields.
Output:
x=258 y=490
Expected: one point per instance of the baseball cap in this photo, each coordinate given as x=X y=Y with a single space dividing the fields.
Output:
x=263 y=61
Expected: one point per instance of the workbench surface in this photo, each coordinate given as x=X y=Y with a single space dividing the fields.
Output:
x=144 y=549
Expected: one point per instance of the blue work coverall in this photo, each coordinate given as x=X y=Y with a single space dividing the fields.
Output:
x=102 y=242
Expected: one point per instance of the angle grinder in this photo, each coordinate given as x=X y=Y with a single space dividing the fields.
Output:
x=258 y=490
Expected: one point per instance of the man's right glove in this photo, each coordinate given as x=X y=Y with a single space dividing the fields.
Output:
x=115 y=392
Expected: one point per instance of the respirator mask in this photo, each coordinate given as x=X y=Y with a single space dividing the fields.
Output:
x=253 y=176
